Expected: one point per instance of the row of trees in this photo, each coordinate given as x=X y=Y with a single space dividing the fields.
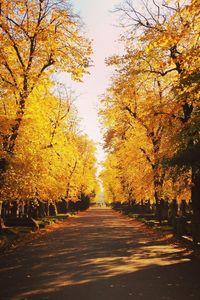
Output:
x=42 y=153
x=151 y=110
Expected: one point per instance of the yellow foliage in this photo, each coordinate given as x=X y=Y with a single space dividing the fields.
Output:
x=153 y=96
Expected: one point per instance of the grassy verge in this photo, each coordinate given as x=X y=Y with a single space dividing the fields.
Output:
x=151 y=222
x=11 y=236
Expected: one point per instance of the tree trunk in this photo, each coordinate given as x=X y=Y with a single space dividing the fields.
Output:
x=195 y=188
x=48 y=204
x=10 y=139
x=1 y=203
x=1 y=219
x=195 y=197
x=158 y=190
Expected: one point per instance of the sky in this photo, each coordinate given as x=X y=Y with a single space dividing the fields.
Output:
x=99 y=26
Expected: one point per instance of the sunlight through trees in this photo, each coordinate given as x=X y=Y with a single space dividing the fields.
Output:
x=43 y=154
x=151 y=109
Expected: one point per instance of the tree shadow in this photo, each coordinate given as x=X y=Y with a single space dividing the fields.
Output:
x=98 y=256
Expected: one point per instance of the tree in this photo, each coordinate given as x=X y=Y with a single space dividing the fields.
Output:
x=52 y=159
x=133 y=104
x=37 y=38
x=165 y=34
x=157 y=87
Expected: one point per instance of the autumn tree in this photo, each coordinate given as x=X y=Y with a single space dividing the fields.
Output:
x=110 y=178
x=168 y=33
x=37 y=38
x=52 y=159
x=157 y=55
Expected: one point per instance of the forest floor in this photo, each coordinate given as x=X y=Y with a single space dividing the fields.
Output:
x=99 y=255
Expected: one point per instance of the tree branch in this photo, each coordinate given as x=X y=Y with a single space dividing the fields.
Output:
x=14 y=46
x=146 y=155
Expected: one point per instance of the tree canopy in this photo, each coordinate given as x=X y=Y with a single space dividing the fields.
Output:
x=43 y=153
x=151 y=109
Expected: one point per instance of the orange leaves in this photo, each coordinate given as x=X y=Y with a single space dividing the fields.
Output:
x=37 y=38
x=154 y=92
x=50 y=157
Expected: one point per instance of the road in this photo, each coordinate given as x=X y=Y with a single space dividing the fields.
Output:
x=99 y=255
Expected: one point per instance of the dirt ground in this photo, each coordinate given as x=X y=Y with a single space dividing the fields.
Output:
x=99 y=255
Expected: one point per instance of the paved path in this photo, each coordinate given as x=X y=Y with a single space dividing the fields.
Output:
x=99 y=255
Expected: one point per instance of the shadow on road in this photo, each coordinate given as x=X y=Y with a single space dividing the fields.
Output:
x=99 y=256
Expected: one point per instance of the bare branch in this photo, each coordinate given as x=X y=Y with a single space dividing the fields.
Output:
x=6 y=65
x=169 y=7
x=6 y=81
x=158 y=7
x=17 y=25
x=162 y=73
x=150 y=13
x=146 y=156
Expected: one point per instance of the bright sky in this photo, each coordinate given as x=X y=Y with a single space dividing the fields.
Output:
x=100 y=26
